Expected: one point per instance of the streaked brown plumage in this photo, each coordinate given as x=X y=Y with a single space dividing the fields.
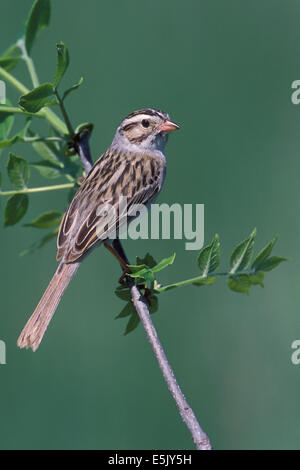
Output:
x=115 y=174
x=134 y=166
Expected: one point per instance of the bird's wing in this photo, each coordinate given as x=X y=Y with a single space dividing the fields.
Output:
x=114 y=175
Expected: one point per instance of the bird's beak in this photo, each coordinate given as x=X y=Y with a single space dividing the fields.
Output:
x=167 y=126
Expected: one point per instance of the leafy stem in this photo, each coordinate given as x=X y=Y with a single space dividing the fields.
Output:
x=51 y=117
x=29 y=62
x=201 y=280
x=64 y=113
x=15 y=110
x=56 y=122
x=38 y=190
x=242 y=274
x=8 y=77
x=31 y=140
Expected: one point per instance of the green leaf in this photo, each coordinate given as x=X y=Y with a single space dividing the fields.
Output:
x=19 y=137
x=137 y=268
x=9 y=63
x=257 y=278
x=47 y=169
x=6 y=124
x=123 y=294
x=38 y=19
x=148 y=260
x=15 y=209
x=36 y=99
x=127 y=310
x=47 y=238
x=53 y=102
x=74 y=87
x=18 y=171
x=47 y=150
x=46 y=220
x=152 y=303
x=271 y=263
x=62 y=62
x=149 y=277
x=240 y=283
x=264 y=254
x=143 y=273
x=146 y=273
x=209 y=257
x=138 y=271
x=133 y=323
x=241 y=256
x=164 y=263
x=51 y=153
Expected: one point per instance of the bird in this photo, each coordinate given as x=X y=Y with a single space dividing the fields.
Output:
x=134 y=166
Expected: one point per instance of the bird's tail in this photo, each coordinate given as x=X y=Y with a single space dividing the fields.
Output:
x=37 y=324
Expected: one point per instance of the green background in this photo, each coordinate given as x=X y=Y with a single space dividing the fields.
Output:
x=223 y=70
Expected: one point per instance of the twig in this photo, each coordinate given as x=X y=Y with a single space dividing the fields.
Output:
x=199 y=437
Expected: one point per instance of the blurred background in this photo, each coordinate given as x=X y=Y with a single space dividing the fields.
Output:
x=223 y=71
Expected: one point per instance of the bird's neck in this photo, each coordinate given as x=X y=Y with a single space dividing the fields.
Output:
x=124 y=146
x=150 y=145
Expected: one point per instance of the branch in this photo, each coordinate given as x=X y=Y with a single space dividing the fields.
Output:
x=199 y=437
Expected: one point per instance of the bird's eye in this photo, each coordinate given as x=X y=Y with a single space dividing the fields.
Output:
x=145 y=123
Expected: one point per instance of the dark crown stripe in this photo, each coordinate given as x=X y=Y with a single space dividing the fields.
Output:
x=149 y=112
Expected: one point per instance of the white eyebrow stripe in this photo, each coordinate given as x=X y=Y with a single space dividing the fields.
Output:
x=138 y=118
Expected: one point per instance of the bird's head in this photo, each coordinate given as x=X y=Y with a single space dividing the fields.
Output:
x=146 y=129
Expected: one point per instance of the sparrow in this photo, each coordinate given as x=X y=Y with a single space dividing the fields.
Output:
x=134 y=166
